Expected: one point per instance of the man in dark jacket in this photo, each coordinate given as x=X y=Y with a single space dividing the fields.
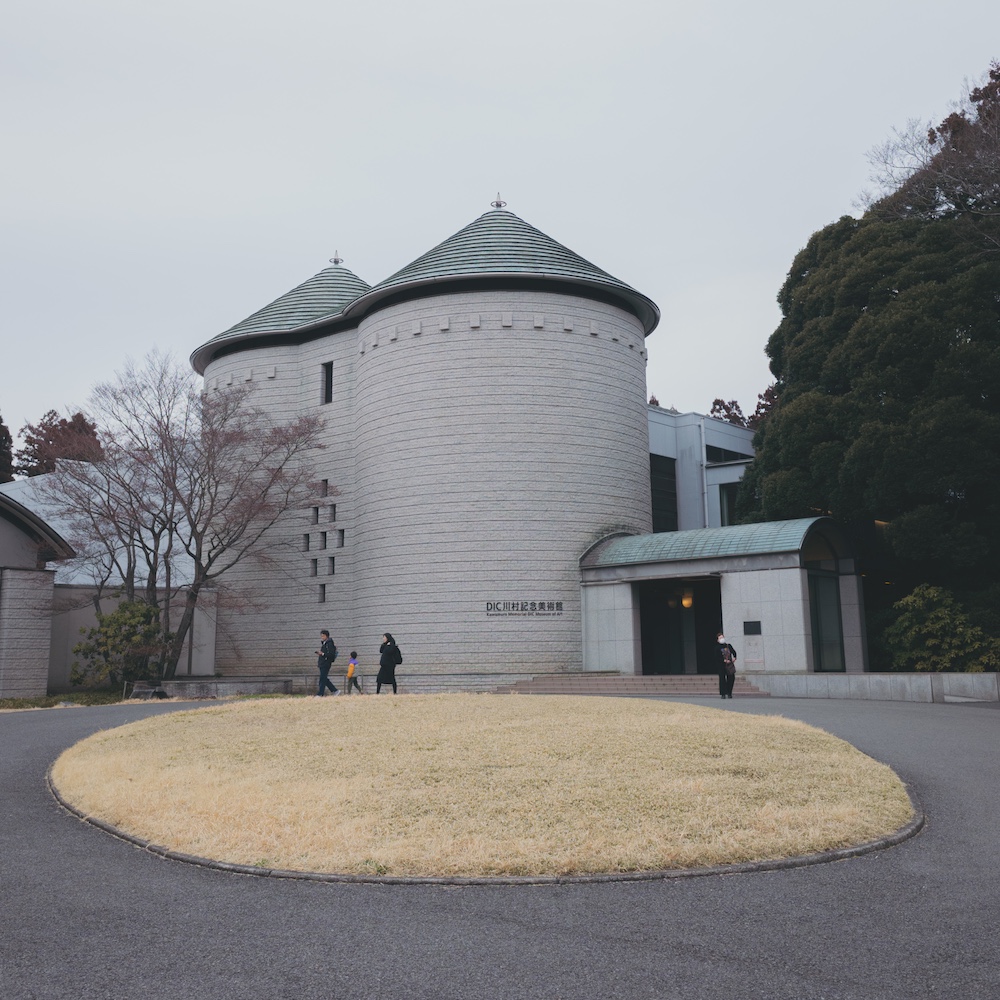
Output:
x=727 y=667
x=325 y=656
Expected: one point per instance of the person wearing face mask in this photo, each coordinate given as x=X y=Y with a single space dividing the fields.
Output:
x=727 y=667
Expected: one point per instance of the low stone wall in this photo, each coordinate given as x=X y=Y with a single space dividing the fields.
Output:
x=881 y=687
x=873 y=687
x=408 y=683
x=220 y=687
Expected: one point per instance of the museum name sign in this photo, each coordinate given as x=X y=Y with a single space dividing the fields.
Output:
x=524 y=609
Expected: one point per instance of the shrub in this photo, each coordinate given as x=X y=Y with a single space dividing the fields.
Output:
x=932 y=632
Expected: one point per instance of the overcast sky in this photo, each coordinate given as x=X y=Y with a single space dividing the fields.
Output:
x=169 y=168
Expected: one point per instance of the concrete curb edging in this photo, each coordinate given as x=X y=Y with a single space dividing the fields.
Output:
x=905 y=832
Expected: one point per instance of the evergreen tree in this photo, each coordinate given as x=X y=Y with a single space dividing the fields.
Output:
x=886 y=407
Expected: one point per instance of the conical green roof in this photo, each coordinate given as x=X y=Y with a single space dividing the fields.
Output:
x=323 y=296
x=500 y=244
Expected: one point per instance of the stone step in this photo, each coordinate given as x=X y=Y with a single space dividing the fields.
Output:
x=662 y=685
x=591 y=683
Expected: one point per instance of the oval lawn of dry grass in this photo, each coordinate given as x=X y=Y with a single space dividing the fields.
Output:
x=480 y=785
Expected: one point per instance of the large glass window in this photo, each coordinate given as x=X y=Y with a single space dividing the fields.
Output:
x=663 y=486
x=827 y=629
x=727 y=502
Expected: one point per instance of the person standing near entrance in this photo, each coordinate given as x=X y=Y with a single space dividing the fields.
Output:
x=325 y=656
x=727 y=667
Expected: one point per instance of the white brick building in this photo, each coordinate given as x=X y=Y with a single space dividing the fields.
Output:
x=486 y=427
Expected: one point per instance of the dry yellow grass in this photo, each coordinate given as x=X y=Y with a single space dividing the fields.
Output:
x=480 y=785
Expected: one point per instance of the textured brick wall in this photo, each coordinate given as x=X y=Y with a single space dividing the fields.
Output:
x=498 y=435
x=25 y=625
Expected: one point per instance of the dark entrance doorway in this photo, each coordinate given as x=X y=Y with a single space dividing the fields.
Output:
x=679 y=620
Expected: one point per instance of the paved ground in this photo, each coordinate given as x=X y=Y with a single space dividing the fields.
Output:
x=83 y=915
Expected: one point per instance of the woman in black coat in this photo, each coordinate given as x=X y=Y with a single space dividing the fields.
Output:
x=388 y=658
x=727 y=667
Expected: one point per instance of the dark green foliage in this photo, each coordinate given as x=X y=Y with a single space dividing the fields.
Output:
x=6 y=454
x=932 y=632
x=128 y=644
x=888 y=395
x=886 y=406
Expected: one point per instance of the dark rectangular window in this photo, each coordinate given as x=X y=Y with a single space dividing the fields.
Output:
x=305 y=542
x=333 y=512
x=751 y=628
x=716 y=456
x=328 y=382
x=340 y=538
x=331 y=566
x=322 y=539
x=663 y=486
x=322 y=593
x=727 y=502
x=324 y=487
x=315 y=515
x=314 y=567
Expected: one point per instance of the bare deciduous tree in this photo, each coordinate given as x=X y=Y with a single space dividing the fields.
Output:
x=187 y=485
x=949 y=169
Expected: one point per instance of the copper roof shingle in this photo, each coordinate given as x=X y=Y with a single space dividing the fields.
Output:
x=323 y=296
x=500 y=244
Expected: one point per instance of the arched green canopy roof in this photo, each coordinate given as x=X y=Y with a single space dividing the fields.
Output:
x=738 y=540
x=323 y=296
x=501 y=245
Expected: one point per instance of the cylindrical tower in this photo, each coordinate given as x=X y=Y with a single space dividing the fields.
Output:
x=500 y=430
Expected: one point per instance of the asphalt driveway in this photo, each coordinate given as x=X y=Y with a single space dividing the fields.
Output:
x=83 y=915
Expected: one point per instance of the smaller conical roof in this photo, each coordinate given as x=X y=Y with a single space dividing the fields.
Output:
x=499 y=244
x=323 y=296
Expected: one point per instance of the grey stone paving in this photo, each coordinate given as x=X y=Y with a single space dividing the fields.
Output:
x=83 y=915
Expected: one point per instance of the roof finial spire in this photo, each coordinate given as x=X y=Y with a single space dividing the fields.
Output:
x=336 y=258
x=499 y=203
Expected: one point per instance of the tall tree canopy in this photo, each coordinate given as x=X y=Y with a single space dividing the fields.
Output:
x=888 y=392
x=887 y=365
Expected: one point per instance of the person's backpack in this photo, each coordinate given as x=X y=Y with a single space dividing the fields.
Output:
x=728 y=660
x=397 y=655
x=332 y=658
